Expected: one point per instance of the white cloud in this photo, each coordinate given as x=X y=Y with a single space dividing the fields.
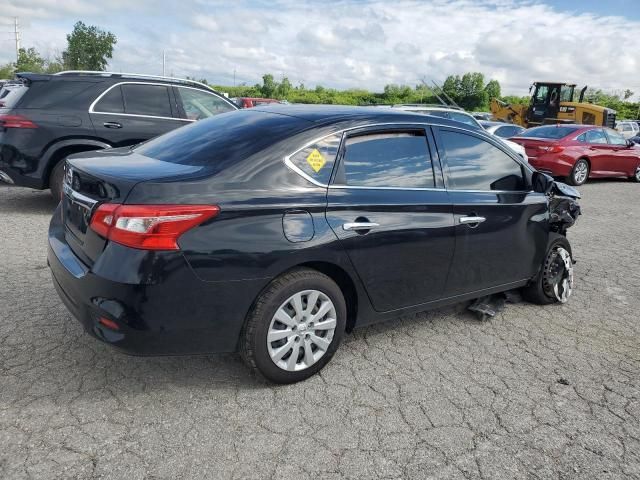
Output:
x=347 y=43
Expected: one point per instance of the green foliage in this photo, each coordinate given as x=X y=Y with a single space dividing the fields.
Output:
x=492 y=89
x=6 y=71
x=89 y=48
x=616 y=101
x=470 y=91
x=30 y=61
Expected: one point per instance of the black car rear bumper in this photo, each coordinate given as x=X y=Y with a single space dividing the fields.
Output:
x=174 y=313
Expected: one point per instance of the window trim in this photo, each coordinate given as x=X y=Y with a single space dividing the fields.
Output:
x=136 y=115
x=445 y=164
x=433 y=140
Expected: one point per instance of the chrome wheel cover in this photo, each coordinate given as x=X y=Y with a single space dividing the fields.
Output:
x=638 y=173
x=301 y=330
x=581 y=172
x=558 y=275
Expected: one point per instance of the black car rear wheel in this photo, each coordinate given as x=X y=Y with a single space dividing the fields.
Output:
x=295 y=326
x=55 y=180
x=554 y=282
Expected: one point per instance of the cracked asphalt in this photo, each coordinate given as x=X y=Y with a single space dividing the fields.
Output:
x=536 y=392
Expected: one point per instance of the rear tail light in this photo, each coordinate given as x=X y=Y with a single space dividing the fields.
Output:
x=16 y=121
x=149 y=227
x=552 y=149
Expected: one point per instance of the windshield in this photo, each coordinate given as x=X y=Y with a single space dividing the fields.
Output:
x=553 y=132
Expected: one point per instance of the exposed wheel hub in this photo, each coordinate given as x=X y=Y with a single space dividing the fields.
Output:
x=557 y=280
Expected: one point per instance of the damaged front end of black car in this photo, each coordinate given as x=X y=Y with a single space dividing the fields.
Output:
x=554 y=282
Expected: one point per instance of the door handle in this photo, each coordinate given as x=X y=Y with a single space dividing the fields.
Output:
x=112 y=124
x=359 y=225
x=471 y=220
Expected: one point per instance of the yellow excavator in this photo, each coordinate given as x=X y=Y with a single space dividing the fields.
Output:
x=553 y=103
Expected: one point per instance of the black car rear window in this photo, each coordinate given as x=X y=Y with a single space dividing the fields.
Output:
x=55 y=93
x=550 y=131
x=227 y=137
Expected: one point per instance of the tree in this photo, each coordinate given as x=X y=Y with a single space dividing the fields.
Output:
x=29 y=61
x=492 y=88
x=284 y=88
x=628 y=94
x=269 y=86
x=89 y=48
x=6 y=71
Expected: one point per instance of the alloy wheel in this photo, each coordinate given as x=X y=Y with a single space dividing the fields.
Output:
x=580 y=173
x=637 y=174
x=301 y=330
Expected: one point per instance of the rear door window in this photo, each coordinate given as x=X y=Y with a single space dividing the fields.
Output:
x=389 y=159
x=198 y=104
x=111 y=101
x=595 y=136
x=475 y=164
x=615 y=138
x=148 y=100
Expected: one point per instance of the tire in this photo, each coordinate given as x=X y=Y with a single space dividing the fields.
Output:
x=55 y=180
x=541 y=288
x=314 y=347
x=579 y=173
x=636 y=176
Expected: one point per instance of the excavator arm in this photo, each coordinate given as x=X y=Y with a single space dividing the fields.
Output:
x=509 y=113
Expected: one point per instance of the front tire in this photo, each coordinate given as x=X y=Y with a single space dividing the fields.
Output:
x=294 y=327
x=554 y=281
x=579 y=173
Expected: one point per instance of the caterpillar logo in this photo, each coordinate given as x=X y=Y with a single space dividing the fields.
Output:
x=567 y=109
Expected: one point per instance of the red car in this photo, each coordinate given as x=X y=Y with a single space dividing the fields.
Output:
x=248 y=102
x=579 y=152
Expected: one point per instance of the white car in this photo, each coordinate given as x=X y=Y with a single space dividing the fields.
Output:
x=627 y=128
x=464 y=117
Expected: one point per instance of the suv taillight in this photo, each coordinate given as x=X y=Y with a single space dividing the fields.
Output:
x=149 y=227
x=16 y=121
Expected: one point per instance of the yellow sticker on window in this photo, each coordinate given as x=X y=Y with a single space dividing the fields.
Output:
x=316 y=160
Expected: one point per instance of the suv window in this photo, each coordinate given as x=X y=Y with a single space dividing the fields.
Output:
x=111 y=102
x=507 y=131
x=152 y=100
x=390 y=159
x=199 y=104
x=595 y=136
x=475 y=164
x=317 y=160
x=615 y=138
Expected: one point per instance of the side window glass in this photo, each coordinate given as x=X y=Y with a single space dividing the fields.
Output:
x=615 y=138
x=438 y=113
x=582 y=138
x=461 y=117
x=198 y=104
x=595 y=136
x=317 y=160
x=111 y=102
x=475 y=164
x=152 y=100
x=391 y=159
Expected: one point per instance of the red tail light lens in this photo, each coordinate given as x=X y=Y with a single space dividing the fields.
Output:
x=149 y=227
x=16 y=121
x=552 y=149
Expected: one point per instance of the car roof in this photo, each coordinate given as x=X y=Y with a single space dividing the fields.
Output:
x=328 y=114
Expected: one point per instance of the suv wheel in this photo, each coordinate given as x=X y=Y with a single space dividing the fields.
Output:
x=295 y=327
x=554 y=282
x=55 y=180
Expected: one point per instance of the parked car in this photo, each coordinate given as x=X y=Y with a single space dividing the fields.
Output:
x=48 y=117
x=579 y=152
x=275 y=230
x=628 y=128
x=501 y=129
x=458 y=115
x=486 y=116
x=250 y=102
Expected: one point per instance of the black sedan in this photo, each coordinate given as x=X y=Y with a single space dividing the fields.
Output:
x=273 y=231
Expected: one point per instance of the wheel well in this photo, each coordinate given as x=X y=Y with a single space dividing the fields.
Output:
x=586 y=159
x=65 y=152
x=345 y=283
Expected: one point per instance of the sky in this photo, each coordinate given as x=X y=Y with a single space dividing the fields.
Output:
x=351 y=43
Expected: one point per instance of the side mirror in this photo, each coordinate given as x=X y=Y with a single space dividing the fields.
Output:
x=541 y=182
